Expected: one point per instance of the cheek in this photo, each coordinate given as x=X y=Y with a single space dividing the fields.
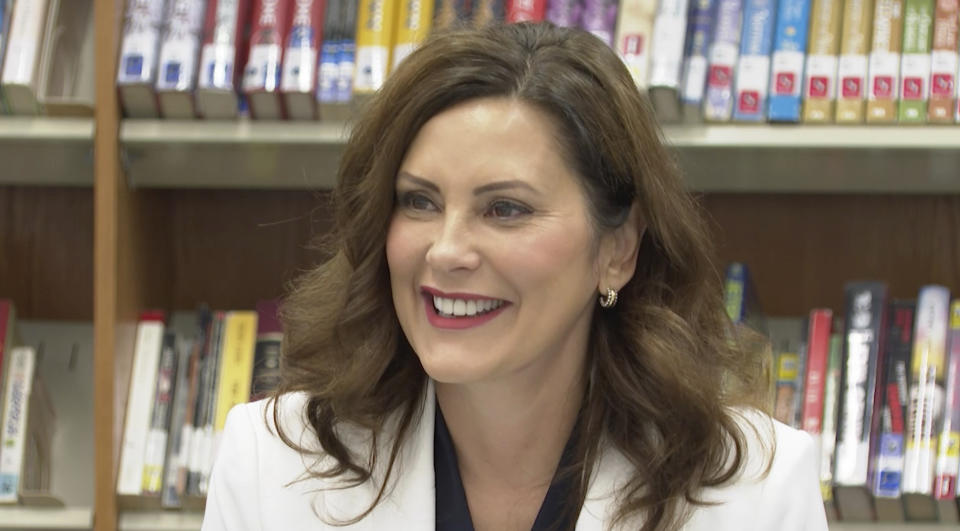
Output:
x=559 y=257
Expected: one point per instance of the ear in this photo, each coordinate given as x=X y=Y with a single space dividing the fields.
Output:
x=618 y=252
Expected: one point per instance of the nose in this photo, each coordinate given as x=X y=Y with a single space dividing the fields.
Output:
x=453 y=247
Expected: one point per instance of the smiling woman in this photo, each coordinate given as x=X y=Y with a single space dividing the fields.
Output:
x=520 y=325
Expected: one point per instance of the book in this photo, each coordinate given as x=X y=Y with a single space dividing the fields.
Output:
x=565 y=13
x=884 y=63
x=156 y=446
x=414 y=21
x=632 y=37
x=222 y=58
x=821 y=70
x=201 y=440
x=8 y=317
x=346 y=58
x=65 y=86
x=700 y=22
x=852 y=67
x=789 y=51
x=6 y=7
x=17 y=392
x=858 y=431
x=21 y=65
x=948 y=447
x=888 y=473
x=753 y=69
x=927 y=378
x=488 y=12
x=375 y=32
x=741 y=298
x=298 y=80
x=722 y=62
x=599 y=17
x=266 y=358
x=139 y=55
x=261 y=76
x=915 y=60
x=943 y=62
x=818 y=353
x=666 y=58
x=143 y=383
x=828 y=427
x=787 y=371
x=528 y=10
x=184 y=395
x=179 y=55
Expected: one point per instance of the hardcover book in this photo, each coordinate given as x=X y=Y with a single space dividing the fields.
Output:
x=943 y=62
x=753 y=70
x=948 y=447
x=298 y=81
x=179 y=55
x=915 y=61
x=821 y=71
x=139 y=51
x=666 y=58
x=634 y=29
x=261 y=76
x=375 y=32
x=222 y=58
x=722 y=58
x=528 y=10
x=789 y=51
x=22 y=64
x=883 y=87
x=700 y=22
x=852 y=67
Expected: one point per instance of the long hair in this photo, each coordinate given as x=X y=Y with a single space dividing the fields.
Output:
x=665 y=371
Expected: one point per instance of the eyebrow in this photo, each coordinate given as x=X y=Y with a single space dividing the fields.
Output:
x=480 y=190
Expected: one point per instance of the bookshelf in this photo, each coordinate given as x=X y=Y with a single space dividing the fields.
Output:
x=46 y=151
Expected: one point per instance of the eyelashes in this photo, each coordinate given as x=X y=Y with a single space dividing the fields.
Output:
x=500 y=209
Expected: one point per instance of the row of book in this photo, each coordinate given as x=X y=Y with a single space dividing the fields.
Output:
x=187 y=373
x=879 y=390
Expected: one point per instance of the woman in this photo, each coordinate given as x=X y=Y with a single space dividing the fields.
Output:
x=519 y=326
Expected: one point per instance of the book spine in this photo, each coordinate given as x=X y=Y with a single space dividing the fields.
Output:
x=884 y=66
x=735 y=291
x=632 y=38
x=820 y=86
x=143 y=382
x=139 y=44
x=489 y=12
x=415 y=18
x=329 y=69
x=789 y=49
x=374 y=42
x=915 y=61
x=600 y=18
x=700 y=24
x=209 y=324
x=948 y=449
x=346 y=60
x=666 y=47
x=943 y=62
x=219 y=56
x=205 y=433
x=888 y=475
x=236 y=365
x=565 y=13
x=171 y=494
x=818 y=352
x=724 y=51
x=266 y=358
x=852 y=67
x=17 y=390
x=927 y=388
x=156 y=446
x=859 y=414
x=299 y=72
x=265 y=59
x=180 y=45
x=786 y=387
x=21 y=63
x=753 y=71
x=831 y=401
x=528 y=10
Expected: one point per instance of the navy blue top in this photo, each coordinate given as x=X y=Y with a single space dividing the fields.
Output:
x=453 y=513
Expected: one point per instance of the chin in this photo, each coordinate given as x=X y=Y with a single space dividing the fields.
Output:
x=453 y=369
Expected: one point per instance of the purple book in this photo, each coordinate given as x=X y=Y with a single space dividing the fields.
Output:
x=718 y=102
x=564 y=13
x=600 y=18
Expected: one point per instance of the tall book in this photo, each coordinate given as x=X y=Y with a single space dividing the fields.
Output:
x=266 y=358
x=261 y=76
x=722 y=59
x=753 y=70
x=298 y=80
x=632 y=37
x=414 y=21
x=927 y=379
x=8 y=316
x=527 y=10
x=884 y=68
x=818 y=353
x=785 y=398
x=828 y=441
x=65 y=86
x=859 y=414
x=21 y=65
x=789 y=51
x=329 y=71
x=943 y=62
x=487 y=12
x=666 y=58
x=888 y=475
x=347 y=54
x=375 y=29
x=155 y=453
x=700 y=22
x=852 y=68
x=948 y=448
x=915 y=61
x=565 y=13
x=17 y=392
x=222 y=58
x=179 y=55
x=142 y=391
x=820 y=85
x=139 y=55
x=184 y=395
x=202 y=439
x=600 y=18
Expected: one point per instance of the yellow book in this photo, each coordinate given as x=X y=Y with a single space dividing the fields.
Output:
x=884 y=82
x=821 y=85
x=375 y=25
x=414 y=21
x=236 y=363
x=852 y=69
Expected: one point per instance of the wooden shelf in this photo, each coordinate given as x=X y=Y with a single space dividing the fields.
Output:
x=716 y=158
x=46 y=151
x=46 y=518
x=160 y=521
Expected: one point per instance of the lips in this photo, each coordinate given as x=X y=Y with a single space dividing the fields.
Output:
x=459 y=311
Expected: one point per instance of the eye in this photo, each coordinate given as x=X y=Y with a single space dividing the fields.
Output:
x=503 y=209
x=416 y=201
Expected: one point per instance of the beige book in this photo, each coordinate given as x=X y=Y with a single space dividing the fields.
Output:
x=852 y=67
x=883 y=87
x=943 y=64
x=821 y=72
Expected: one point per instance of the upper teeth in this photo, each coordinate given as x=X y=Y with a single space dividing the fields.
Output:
x=461 y=307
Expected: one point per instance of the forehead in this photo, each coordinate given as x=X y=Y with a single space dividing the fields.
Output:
x=490 y=139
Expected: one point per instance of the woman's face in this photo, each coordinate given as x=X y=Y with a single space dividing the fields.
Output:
x=490 y=247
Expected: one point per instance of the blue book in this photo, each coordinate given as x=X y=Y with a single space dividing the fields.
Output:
x=700 y=21
x=789 y=53
x=753 y=71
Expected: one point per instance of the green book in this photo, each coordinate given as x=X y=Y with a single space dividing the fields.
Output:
x=915 y=62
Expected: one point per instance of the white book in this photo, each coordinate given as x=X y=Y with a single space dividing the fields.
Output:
x=66 y=83
x=17 y=390
x=139 y=51
x=179 y=55
x=666 y=57
x=143 y=383
x=21 y=66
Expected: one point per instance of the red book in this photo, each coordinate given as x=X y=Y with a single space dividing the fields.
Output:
x=261 y=77
x=222 y=57
x=526 y=10
x=818 y=350
x=298 y=82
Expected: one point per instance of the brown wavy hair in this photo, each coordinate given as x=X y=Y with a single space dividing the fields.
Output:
x=664 y=368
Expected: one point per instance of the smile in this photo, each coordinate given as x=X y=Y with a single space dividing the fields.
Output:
x=447 y=307
x=460 y=311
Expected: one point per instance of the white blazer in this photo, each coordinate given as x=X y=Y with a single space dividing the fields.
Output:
x=254 y=482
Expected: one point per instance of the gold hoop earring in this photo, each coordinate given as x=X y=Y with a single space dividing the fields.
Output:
x=608 y=300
